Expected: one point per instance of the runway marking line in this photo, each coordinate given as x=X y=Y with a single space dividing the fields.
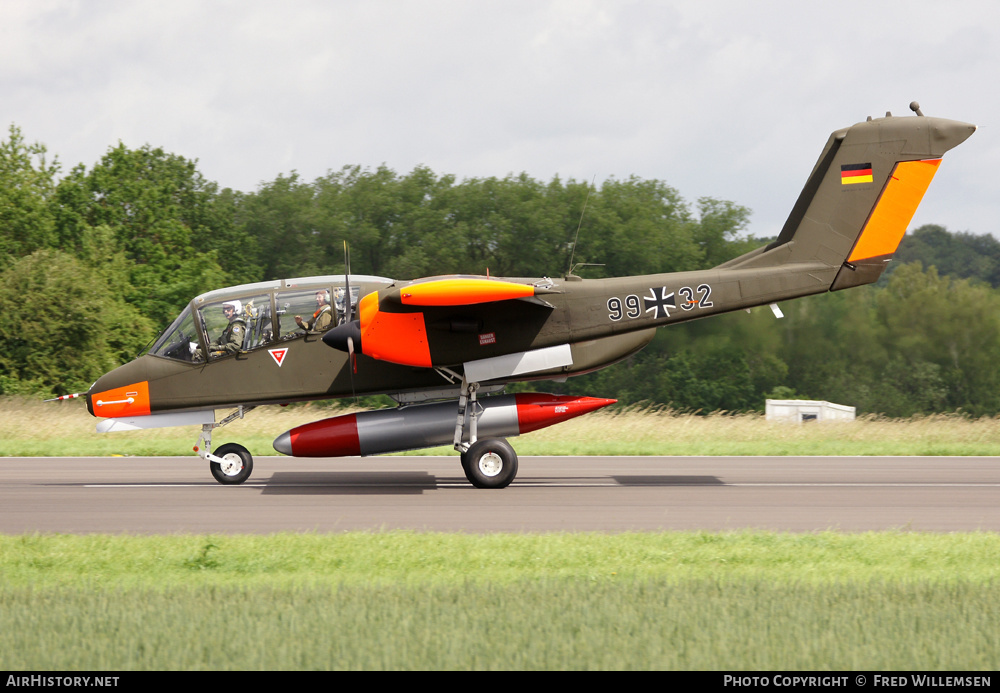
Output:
x=598 y=484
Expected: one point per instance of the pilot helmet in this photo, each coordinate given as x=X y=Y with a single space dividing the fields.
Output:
x=237 y=306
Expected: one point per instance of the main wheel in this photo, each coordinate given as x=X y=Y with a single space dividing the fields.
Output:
x=490 y=463
x=237 y=466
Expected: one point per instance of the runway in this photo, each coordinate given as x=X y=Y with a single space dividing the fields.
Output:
x=177 y=494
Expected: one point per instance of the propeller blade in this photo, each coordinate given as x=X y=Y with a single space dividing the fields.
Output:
x=353 y=361
x=350 y=354
x=348 y=303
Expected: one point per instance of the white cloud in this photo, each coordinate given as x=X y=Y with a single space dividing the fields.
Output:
x=717 y=98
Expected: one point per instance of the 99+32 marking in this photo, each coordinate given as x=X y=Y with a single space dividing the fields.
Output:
x=632 y=306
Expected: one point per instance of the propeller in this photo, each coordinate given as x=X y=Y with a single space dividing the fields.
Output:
x=349 y=313
x=347 y=335
x=352 y=358
x=347 y=284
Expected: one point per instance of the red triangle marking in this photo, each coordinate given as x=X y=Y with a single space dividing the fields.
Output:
x=278 y=355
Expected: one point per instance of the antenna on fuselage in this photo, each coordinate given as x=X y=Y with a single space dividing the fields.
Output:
x=583 y=211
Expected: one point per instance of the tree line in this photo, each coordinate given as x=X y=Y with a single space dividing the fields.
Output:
x=96 y=260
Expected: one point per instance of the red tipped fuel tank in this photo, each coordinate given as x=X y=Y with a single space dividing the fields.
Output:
x=428 y=425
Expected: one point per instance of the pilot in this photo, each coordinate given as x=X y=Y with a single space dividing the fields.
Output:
x=322 y=319
x=231 y=339
x=340 y=304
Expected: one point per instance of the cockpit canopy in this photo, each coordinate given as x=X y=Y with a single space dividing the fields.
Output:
x=242 y=318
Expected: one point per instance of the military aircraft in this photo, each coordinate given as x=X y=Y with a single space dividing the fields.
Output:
x=444 y=347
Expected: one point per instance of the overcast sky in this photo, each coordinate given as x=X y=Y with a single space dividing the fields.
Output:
x=718 y=98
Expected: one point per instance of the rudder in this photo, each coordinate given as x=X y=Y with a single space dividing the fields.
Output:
x=887 y=223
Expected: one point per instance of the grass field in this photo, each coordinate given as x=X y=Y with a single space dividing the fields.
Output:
x=31 y=428
x=406 y=600
x=552 y=625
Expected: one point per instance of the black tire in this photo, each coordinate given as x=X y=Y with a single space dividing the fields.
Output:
x=490 y=463
x=239 y=464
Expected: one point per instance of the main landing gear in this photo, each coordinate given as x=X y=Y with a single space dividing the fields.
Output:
x=490 y=462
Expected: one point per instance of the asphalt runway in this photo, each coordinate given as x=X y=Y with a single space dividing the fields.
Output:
x=177 y=494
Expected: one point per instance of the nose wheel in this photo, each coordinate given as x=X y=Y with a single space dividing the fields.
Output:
x=231 y=463
x=490 y=463
x=235 y=465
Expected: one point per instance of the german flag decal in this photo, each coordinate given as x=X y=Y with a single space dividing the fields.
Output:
x=855 y=173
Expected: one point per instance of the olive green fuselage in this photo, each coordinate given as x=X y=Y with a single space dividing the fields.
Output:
x=603 y=321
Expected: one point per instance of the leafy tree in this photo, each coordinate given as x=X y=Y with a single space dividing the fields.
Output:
x=642 y=227
x=718 y=231
x=278 y=217
x=402 y=223
x=157 y=208
x=27 y=182
x=61 y=326
x=954 y=325
x=217 y=231
x=426 y=240
x=962 y=255
x=367 y=212
x=514 y=226
x=421 y=224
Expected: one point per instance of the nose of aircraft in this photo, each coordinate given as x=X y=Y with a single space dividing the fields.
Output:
x=121 y=392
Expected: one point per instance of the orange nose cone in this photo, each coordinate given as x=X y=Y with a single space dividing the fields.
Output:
x=131 y=400
x=536 y=410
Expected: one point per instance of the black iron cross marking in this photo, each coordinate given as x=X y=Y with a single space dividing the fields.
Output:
x=659 y=302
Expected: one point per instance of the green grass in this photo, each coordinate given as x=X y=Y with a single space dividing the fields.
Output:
x=29 y=428
x=418 y=558
x=554 y=625
x=408 y=600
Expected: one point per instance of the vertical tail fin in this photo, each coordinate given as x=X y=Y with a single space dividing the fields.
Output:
x=860 y=197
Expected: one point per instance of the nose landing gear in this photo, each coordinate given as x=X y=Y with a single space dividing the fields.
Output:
x=236 y=465
x=231 y=463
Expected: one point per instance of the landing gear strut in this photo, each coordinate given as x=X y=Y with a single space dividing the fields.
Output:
x=490 y=462
x=231 y=463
